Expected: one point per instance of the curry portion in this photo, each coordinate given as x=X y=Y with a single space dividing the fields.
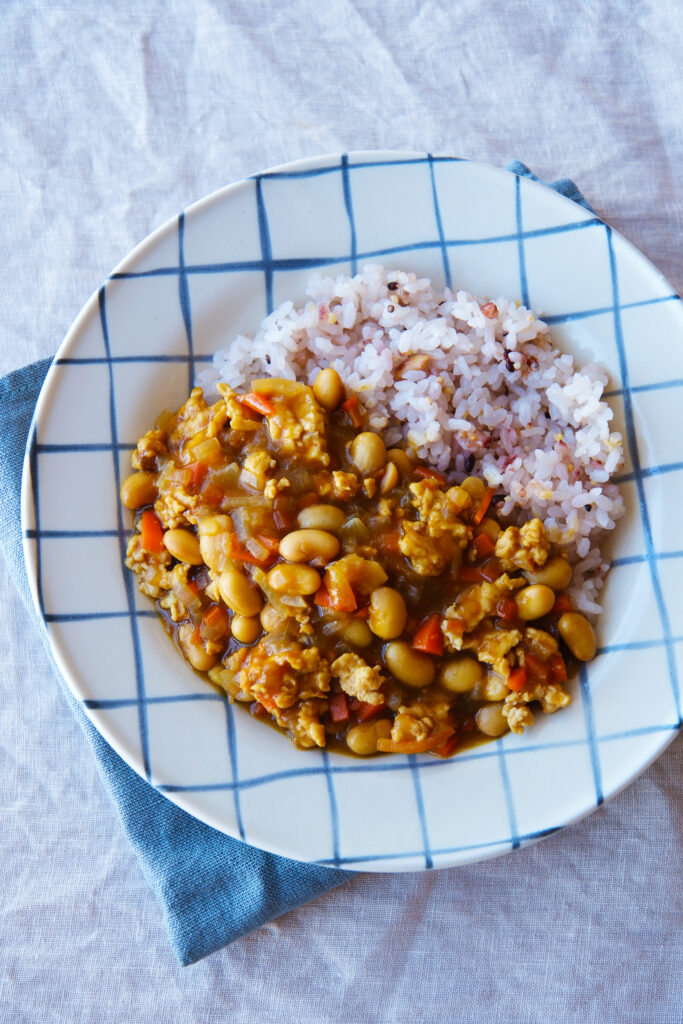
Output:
x=343 y=591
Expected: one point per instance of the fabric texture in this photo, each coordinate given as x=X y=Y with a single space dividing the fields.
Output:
x=117 y=116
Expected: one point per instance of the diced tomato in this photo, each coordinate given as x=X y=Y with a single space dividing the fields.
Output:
x=152 y=532
x=483 y=545
x=491 y=569
x=562 y=605
x=537 y=669
x=429 y=637
x=215 y=624
x=558 y=669
x=425 y=473
x=195 y=474
x=507 y=608
x=517 y=679
x=322 y=598
x=339 y=707
x=483 y=506
x=258 y=403
x=350 y=407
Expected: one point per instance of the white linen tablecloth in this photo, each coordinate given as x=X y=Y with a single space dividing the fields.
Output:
x=113 y=117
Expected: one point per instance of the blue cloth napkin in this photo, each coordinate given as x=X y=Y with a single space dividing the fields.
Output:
x=212 y=888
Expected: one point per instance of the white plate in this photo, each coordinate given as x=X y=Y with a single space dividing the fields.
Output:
x=215 y=271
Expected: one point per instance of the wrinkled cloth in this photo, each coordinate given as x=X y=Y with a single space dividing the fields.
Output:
x=114 y=117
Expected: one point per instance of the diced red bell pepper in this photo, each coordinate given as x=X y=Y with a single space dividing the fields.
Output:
x=429 y=637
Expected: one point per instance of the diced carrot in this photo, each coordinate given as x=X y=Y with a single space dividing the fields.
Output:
x=363 y=710
x=322 y=598
x=350 y=407
x=447 y=748
x=517 y=679
x=195 y=474
x=152 y=532
x=558 y=669
x=507 y=608
x=483 y=506
x=236 y=551
x=491 y=569
x=212 y=495
x=562 y=605
x=215 y=624
x=470 y=574
x=362 y=613
x=415 y=746
x=388 y=543
x=425 y=473
x=258 y=403
x=342 y=597
x=429 y=637
x=194 y=586
x=483 y=545
x=339 y=707
x=537 y=669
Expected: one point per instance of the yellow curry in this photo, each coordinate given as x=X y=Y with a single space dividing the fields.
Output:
x=345 y=591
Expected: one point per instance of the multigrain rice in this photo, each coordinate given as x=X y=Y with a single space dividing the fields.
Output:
x=496 y=398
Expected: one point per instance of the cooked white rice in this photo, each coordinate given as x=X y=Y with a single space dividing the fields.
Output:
x=496 y=391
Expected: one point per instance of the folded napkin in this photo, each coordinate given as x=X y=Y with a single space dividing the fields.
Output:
x=212 y=888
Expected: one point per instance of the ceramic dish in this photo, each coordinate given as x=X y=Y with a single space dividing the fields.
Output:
x=215 y=271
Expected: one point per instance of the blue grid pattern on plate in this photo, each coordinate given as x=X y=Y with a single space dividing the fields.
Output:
x=417 y=768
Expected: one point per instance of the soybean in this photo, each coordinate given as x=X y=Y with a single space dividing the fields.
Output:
x=400 y=459
x=474 y=486
x=195 y=653
x=535 y=601
x=300 y=580
x=239 y=593
x=139 y=489
x=270 y=618
x=358 y=633
x=408 y=666
x=388 y=613
x=389 y=479
x=184 y=546
x=362 y=739
x=329 y=389
x=368 y=453
x=245 y=628
x=556 y=573
x=461 y=674
x=321 y=517
x=579 y=635
x=309 y=545
x=490 y=720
